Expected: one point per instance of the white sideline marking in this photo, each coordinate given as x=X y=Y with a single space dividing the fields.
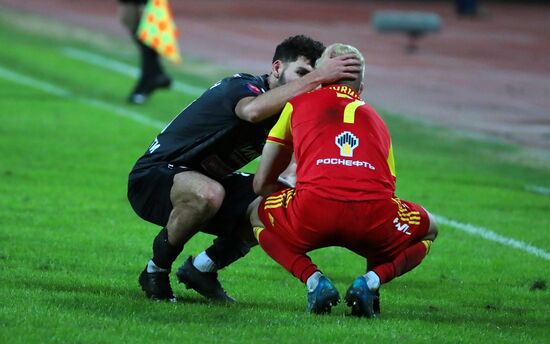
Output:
x=538 y=189
x=58 y=91
x=492 y=236
x=123 y=68
x=122 y=112
x=135 y=116
x=32 y=82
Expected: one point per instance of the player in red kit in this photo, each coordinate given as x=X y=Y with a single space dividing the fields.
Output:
x=344 y=194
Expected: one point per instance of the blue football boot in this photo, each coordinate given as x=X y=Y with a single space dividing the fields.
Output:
x=362 y=300
x=321 y=300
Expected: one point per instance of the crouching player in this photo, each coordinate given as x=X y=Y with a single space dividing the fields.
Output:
x=344 y=194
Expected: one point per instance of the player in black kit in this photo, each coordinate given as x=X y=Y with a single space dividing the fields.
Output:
x=187 y=182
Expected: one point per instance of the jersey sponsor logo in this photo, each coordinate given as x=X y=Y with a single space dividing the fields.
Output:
x=345 y=162
x=347 y=142
x=255 y=89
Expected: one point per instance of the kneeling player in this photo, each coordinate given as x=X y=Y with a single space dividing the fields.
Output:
x=344 y=195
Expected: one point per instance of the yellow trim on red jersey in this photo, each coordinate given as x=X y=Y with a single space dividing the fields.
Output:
x=428 y=244
x=281 y=133
x=279 y=200
x=341 y=95
x=257 y=231
x=273 y=199
x=406 y=215
x=391 y=161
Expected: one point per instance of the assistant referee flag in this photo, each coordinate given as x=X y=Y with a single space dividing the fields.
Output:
x=158 y=30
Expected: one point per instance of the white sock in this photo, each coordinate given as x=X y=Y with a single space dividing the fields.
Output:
x=313 y=281
x=152 y=267
x=203 y=263
x=373 y=281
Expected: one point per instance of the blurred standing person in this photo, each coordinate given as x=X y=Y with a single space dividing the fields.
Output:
x=152 y=75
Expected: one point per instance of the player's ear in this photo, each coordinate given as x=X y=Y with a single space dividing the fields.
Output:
x=361 y=87
x=276 y=68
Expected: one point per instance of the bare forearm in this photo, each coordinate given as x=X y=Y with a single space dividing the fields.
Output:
x=272 y=102
x=344 y=67
x=275 y=159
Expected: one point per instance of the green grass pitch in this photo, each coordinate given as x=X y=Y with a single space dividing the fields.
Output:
x=71 y=248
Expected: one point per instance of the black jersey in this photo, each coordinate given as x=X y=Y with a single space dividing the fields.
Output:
x=207 y=135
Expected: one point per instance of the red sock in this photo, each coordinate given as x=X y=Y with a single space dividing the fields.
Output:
x=404 y=262
x=298 y=264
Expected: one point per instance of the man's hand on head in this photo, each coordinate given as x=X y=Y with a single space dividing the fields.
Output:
x=343 y=67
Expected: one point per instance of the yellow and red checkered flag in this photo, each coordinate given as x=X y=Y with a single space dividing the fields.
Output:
x=157 y=29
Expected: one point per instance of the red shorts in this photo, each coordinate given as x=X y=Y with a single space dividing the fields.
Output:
x=377 y=230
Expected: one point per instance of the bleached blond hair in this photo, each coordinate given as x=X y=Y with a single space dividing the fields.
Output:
x=338 y=49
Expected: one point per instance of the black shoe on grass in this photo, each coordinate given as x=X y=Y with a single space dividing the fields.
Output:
x=156 y=285
x=145 y=87
x=204 y=283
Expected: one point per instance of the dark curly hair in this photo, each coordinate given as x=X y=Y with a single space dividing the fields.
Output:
x=293 y=47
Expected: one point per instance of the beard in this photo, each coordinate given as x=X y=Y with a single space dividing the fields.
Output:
x=282 y=78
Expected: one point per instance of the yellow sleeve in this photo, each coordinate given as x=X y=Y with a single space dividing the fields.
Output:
x=281 y=131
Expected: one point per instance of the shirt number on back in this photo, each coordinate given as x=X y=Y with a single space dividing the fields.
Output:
x=349 y=111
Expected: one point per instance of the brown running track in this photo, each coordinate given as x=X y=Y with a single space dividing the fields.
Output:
x=489 y=75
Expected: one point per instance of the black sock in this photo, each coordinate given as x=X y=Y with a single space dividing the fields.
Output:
x=164 y=254
x=226 y=250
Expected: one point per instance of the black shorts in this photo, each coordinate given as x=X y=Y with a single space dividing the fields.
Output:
x=149 y=195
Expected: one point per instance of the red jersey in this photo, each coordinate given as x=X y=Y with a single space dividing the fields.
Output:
x=342 y=147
